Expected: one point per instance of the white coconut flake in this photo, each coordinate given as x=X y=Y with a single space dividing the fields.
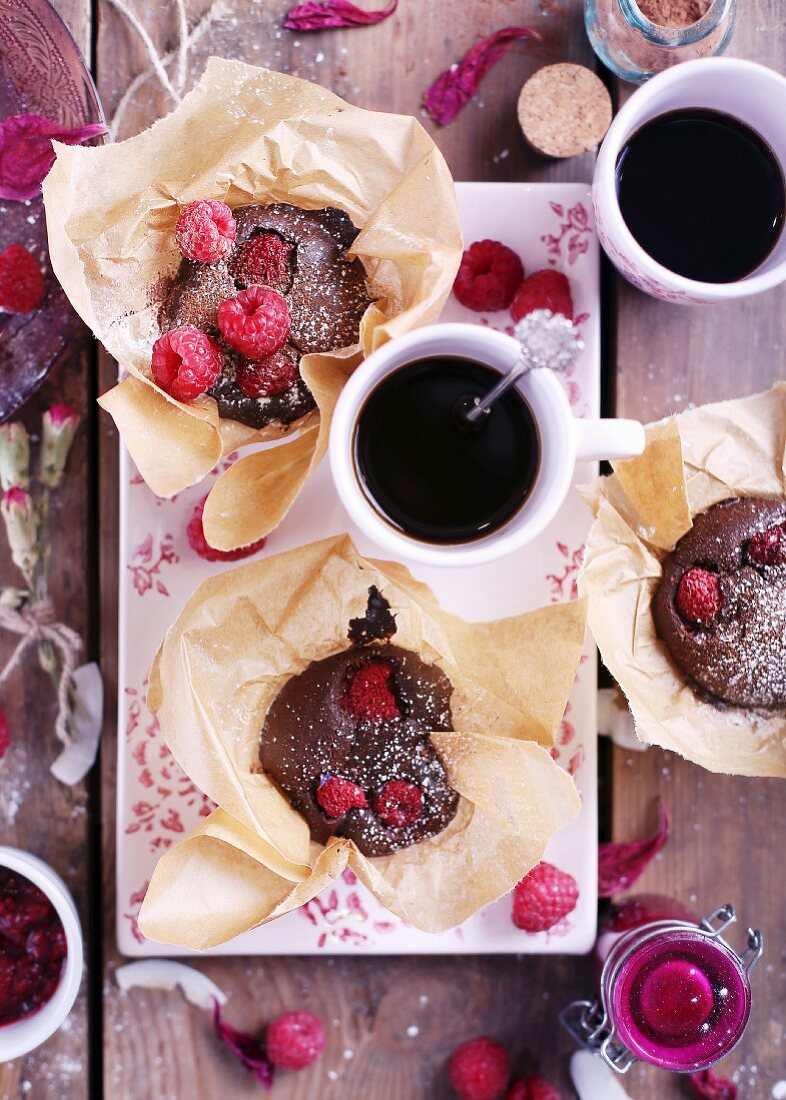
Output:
x=166 y=974
x=593 y=1079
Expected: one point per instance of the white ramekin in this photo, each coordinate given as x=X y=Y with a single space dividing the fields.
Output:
x=25 y=1035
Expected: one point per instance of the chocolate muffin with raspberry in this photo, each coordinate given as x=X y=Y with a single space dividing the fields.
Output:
x=258 y=287
x=347 y=742
x=720 y=607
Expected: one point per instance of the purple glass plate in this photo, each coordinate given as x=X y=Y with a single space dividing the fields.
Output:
x=41 y=71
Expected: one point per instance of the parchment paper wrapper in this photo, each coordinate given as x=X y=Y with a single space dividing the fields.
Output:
x=692 y=461
x=245 y=135
x=242 y=636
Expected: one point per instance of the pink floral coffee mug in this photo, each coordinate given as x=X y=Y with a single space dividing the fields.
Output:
x=744 y=90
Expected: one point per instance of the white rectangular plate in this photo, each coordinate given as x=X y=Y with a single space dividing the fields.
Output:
x=548 y=225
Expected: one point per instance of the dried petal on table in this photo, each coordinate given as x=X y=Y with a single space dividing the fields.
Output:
x=5 y=735
x=620 y=865
x=320 y=15
x=706 y=1085
x=26 y=152
x=455 y=87
x=248 y=1050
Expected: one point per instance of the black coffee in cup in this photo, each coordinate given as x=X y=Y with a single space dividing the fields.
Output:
x=702 y=193
x=428 y=473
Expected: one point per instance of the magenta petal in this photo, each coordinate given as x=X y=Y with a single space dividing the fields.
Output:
x=26 y=152
x=249 y=1051
x=320 y=15
x=708 y=1086
x=453 y=89
x=620 y=865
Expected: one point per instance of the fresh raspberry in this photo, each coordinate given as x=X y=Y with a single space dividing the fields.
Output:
x=479 y=1069
x=186 y=362
x=255 y=322
x=295 y=1040
x=399 y=803
x=488 y=276
x=195 y=533
x=769 y=547
x=546 y=289
x=267 y=377
x=265 y=259
x=706 y=1085
x=368 y=692
x=206 y=231
x=698 y=596
x=533 y=1088
x=543 y=898
x=338 y=796
x=21 y=282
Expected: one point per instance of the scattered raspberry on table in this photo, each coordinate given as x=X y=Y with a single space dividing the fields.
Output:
x=21 y=282
x=543 y=898
x=295 y=1040
x=479 y=1069
x=532 y=1088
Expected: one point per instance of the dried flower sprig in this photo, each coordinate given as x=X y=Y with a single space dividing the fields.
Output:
x=28 y=612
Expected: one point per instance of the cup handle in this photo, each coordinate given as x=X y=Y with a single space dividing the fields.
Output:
x=599 y=439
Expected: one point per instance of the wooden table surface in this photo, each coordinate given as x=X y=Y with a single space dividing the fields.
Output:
x=658 y=359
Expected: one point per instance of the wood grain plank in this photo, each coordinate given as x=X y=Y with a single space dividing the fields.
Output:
x=156 y=1046
x=722 y=847
x=38 y=813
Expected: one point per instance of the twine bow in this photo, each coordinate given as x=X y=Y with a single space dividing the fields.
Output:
x=35 y=623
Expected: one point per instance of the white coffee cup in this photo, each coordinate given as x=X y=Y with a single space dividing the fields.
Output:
x=563 y=439
x=25 y=1035
x=749 y=92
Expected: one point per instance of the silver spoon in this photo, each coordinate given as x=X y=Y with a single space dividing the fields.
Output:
x=548 y=341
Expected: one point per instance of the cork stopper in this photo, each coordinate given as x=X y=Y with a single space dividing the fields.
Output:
x=564 y=110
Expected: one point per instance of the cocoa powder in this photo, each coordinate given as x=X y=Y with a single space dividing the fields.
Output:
x=673 y=13
x=632 y=50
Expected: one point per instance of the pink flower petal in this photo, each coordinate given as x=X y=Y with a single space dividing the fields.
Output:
x=250 y=1052
x=622 y=864
x=453 y=89
x=320 y=15
x=708 y=1086
x=5 y=735
x=26 y=152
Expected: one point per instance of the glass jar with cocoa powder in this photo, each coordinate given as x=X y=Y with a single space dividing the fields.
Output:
x=638 y=38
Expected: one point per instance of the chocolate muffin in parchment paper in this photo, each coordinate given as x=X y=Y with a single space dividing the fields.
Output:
x=347 y=741
x=301 y=254
x=720 y=607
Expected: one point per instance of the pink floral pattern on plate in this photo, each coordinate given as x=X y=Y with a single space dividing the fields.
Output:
x=146 y=565
x=573 y=233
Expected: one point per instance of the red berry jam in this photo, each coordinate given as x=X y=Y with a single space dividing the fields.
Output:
x=32 y=947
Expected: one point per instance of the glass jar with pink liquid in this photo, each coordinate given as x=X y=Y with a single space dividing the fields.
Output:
x=672 y=993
